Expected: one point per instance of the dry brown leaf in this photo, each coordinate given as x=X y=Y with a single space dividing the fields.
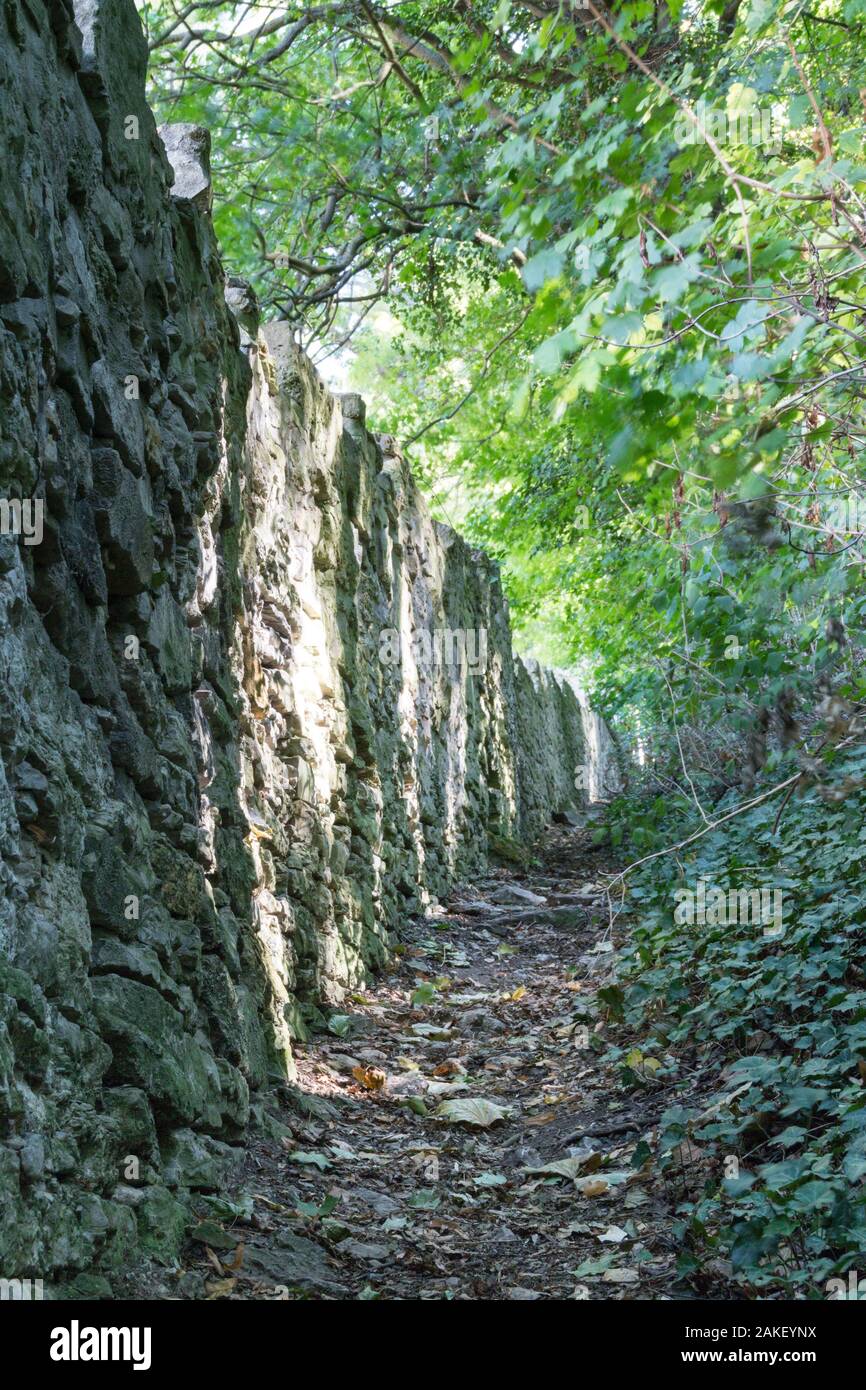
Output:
x=592 y=1187
x=219 y=1288
x=687 y=1152
x=266 y=1201
x=40 y=836
x=449 y=1068
x=370 y=1077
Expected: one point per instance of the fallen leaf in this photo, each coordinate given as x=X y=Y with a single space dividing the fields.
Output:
x=238 y=1259
x=614 y=1234
x=219 y=1288
x=687 y=1152
x=574 y=1228
x=266 y=1202
x=490 y=1179
x=370 y=1077
x=415 y=1104
x=449 y=1068
x=425 y=1199
x=396 y=1223
x=481 y=1113
x=569 y=1167
x=431 y=1030
x=209 y=1233
x=446 y=1088
x=312 y=1159
x=363 y=1250
x=592 y=1187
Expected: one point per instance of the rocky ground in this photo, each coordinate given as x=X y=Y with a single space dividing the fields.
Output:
x=458 y=1132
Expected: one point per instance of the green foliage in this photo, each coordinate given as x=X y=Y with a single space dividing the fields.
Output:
x=776 y=1026
x=617 y=275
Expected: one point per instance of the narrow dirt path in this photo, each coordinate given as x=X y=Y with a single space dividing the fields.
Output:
x=409 y=1161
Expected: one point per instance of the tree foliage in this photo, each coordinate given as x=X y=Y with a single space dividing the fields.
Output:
x=623 y=251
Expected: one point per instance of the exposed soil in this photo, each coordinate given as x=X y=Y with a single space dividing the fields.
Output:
x=369 y=1190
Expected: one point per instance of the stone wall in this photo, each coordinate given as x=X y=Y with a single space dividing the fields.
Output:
x=256 y=706
x=604 y=773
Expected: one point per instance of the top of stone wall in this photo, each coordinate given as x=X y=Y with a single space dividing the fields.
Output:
x=188 y=150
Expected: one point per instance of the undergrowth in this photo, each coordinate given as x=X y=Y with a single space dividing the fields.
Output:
x=778 y=1011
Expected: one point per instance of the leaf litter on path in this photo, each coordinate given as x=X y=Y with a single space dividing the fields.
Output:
x=467 y=1137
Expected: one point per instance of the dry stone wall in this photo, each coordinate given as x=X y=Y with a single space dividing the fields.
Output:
x=256 y=706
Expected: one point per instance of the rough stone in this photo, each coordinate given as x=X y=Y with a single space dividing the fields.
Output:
x=255 y=704
x=188 y=150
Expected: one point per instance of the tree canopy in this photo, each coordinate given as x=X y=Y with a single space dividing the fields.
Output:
x=617 y=253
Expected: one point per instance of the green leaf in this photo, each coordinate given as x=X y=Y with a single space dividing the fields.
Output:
x=314 y=1160
x=490 y=1180
x=425 y=1199
x=547 y=265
